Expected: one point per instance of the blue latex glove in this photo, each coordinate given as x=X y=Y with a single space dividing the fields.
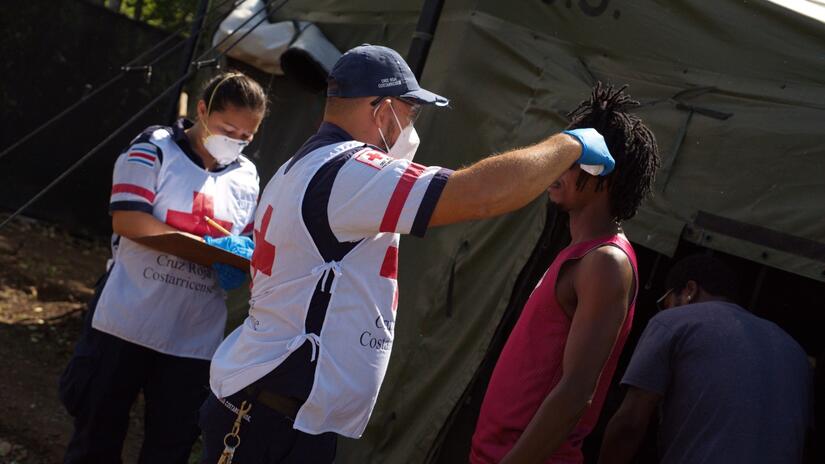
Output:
x=594 y=150
x=230 y=278
x=239 y=245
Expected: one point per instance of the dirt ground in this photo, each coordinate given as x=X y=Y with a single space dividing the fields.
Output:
x=46 y=277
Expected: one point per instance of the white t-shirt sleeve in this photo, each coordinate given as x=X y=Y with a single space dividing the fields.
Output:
x=249 y=228
x=374 y=193
x=134 y=180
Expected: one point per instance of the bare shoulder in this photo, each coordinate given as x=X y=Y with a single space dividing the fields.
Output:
x=607 y=267
x=609 y=258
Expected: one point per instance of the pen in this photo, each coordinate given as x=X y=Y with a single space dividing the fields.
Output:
x=217 y=226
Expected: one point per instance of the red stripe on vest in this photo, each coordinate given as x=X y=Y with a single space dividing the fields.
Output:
x=389 y=268
x=134 y=190
x=399 y=197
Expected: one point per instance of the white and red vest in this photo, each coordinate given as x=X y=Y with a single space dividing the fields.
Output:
x=346 y=254
x=156 y=299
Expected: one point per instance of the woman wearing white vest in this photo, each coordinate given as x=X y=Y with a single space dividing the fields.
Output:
x=308 y=362
x=156 y=319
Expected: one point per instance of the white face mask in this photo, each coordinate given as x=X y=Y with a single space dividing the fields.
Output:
x=224 y=149
x=407 y=142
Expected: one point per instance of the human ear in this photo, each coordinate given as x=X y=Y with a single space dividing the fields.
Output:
x=202 y=110
x=691 y=290
x=381 y=112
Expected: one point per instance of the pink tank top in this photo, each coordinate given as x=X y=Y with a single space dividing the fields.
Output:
x=530 y=366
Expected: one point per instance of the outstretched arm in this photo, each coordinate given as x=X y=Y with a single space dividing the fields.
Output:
x=603 y=280
x=628 y=426
x=506 y=182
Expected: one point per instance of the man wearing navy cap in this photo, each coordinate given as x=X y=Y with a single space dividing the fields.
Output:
x=307 y=363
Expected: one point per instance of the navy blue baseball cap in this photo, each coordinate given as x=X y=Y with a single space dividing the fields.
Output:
x=371 y=70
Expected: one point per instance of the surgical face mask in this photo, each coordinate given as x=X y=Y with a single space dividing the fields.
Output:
x=224 y=149
x=407 y=142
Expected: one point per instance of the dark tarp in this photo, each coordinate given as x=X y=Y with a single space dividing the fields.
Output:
x=733 y=92
x=54 y=53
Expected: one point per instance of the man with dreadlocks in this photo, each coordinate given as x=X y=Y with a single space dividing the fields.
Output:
x=551 y=379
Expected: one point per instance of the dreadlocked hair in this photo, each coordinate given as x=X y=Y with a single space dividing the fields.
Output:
x=631 y=143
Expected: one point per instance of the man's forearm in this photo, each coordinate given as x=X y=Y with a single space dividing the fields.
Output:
x=513 y=179
x=622 y=439
x=549 y=428
x=506 y=182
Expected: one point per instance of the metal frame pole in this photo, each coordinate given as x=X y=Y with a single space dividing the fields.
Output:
x=188 y=55
x=423 y=36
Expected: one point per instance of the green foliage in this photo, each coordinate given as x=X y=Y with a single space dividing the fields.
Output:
x=165 y=14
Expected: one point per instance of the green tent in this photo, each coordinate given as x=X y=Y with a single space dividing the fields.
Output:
x=732 y=89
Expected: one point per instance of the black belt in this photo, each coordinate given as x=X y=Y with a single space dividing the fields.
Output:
x=279 y=403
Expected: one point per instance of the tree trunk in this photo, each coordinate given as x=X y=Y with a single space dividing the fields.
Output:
x=138 y=9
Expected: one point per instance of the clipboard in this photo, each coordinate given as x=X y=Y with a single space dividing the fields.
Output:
x=192 y=248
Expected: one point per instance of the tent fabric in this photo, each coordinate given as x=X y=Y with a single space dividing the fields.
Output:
x=733 y=93
x=755 y=61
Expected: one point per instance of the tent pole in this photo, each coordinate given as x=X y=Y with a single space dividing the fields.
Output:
x=188 y=55
x=423 y=35
x=757 y=288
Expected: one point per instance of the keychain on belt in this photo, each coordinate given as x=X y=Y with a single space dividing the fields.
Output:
x=232 y=439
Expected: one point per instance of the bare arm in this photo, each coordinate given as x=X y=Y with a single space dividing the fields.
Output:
x=131 y=224
x=506 y=182
x=602 y=282
x=628 y=426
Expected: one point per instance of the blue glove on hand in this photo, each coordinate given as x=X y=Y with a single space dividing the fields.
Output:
x=594 y=151
x=239 y=245
x=230 y=277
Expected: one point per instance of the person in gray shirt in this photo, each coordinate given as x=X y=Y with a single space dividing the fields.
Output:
x=729 y=387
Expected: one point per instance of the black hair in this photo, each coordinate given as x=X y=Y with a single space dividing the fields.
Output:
x=709 y=273
x=631 y=143
x=234 y=89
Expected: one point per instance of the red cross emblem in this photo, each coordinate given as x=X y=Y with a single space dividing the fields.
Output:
x=263 y=258
x=373 y=159
x=194 y=222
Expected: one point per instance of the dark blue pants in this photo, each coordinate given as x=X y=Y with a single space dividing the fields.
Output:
x=267 y=438
x=101 y=383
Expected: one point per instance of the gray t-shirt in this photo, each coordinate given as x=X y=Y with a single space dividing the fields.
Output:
x=737 y=388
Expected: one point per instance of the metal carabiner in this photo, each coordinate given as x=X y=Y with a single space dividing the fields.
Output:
x=229 y=450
